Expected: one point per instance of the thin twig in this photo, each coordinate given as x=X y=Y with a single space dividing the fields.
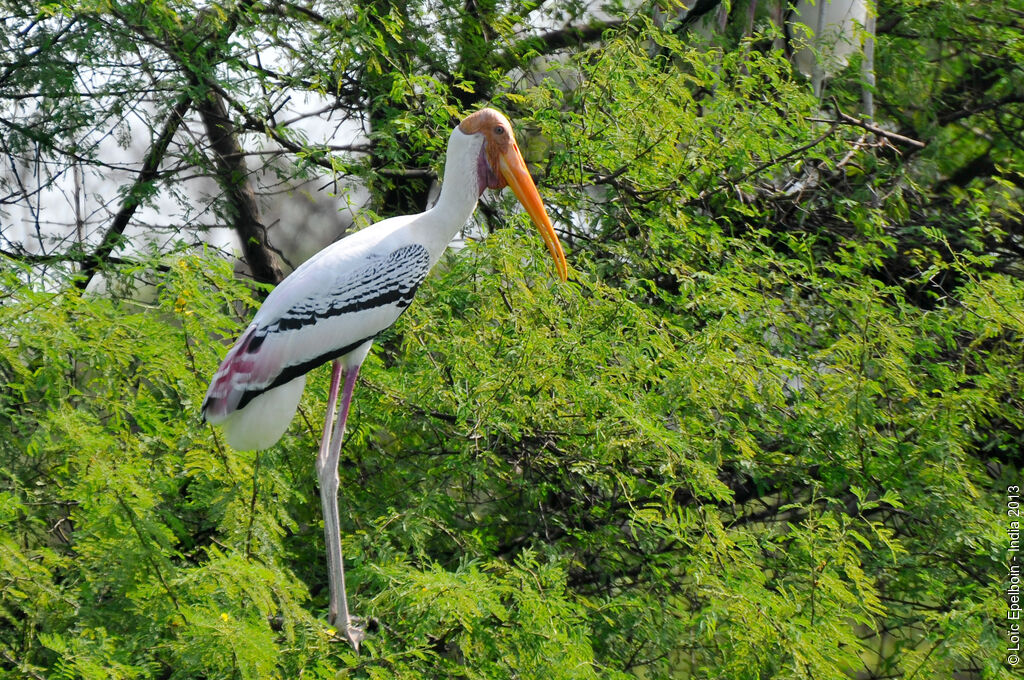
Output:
x=847 y=119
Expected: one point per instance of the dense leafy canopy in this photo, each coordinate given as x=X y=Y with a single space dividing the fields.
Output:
x=766 y=430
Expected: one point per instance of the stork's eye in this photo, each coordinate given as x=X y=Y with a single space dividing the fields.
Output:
x=499 y=130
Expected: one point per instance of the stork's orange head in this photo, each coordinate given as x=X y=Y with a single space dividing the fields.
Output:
x=502 y=164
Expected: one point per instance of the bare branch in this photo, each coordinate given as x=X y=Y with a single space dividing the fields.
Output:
x=72 y=257
x=553 y=41
x=150 y=167
x=232 y=173
x=847 y=119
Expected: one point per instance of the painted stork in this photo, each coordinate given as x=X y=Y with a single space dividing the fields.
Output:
x=333 y=306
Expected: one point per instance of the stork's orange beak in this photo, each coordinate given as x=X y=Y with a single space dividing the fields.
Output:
x=513 y=170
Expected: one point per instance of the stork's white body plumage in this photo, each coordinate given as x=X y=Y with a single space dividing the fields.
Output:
x=330 y=307
x=335 y=304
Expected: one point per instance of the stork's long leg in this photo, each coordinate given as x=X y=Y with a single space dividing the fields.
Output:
x=332 y=407
x=327 y=473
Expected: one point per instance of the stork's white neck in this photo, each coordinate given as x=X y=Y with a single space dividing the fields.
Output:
x=460 y=190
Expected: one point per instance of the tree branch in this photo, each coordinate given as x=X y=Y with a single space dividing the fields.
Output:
x=847 y=119
x=552 y=41
x=70 y=256
x=232 y=174
x=139 y=189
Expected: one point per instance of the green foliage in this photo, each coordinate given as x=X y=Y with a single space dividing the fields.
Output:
x=134 y=544
x=576 y=516
x=764 y=431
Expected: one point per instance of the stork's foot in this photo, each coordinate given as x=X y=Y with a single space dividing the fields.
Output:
x=354 y=630
x=355 y=633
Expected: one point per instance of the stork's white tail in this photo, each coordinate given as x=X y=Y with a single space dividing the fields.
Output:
x=264 y=419
x=251 y=418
